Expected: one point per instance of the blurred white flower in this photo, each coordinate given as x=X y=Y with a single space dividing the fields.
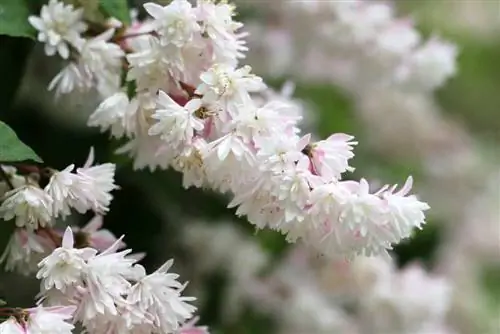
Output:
x=58 y=24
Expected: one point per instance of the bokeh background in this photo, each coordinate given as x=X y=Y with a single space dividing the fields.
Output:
x=154 y=211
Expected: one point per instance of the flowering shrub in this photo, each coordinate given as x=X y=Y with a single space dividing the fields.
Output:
x=175 y=94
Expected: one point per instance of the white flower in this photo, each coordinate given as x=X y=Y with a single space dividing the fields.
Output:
x=24 y=251
x=30 y=205
x=88 y=189
x=73 y=76
x=151 y=67
x=430 y=66
x=160 y=295
x=104 y=60
x=59 y=189
x=106 y=283
x=176 y=125
x=54 y=320
x=330 y=156
x=175 y=23
x=190 y=163
x=217 y=23
x=58 y=23
x=114 y=114
x=224 y=81
x=66 y=266
x=407 y=301
x=404 y=212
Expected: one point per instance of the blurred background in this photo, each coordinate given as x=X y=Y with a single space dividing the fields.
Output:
x=448 y=140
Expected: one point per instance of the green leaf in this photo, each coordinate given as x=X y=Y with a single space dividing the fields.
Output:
x=12 y=148
x=14 y=19
x=117 y=9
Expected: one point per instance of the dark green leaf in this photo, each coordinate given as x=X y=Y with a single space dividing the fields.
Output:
x=117 y=9
x=12 y=148
x=14 y=19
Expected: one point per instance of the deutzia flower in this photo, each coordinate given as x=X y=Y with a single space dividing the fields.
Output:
x=88 y=189
x=430 y=65
x=106 y=283
x=58 y=24
x=407 y=301
x=104 y=60
x=24 y=250
x=175 y=23
x=50 y=320
x=114 y=113
x=330 y=157
x=176 y=125
x=73 y=76
x=159 y=295
x=217 y=23
x=30 y=205
x=224 y=81
x=66 y=265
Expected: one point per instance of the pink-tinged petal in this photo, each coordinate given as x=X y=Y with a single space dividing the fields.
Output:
x=67 y=311
x=68 y=241
x=165 y=100
x=153 y=9
x=406 y=187
x=303 y=142
x=114 y=247
x=36 y=22
x=103 y=239
x=340 y=137
x=105 y=36
x=193 y=105
x=137 y=256
x=90 y=159
x=93 y=225
x=223 y=149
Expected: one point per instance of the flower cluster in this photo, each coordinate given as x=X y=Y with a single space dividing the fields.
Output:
x=186 y=103
x=106 y=292
x=34 y=209
x=85 y=276
x=324 y=295
x=111 y=293
x=362 y=43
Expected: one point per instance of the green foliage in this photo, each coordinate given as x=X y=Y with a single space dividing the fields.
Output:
x=14 y=19
x=12 y=148
x=117 y=9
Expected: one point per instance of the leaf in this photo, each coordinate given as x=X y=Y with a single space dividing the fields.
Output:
x=12 y=148
x=117 y=9
x=14 y=19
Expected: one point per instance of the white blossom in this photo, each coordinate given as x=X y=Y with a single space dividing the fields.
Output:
x=159 y=295
x=176 y=22
x=115 y=114
x=71 y=77
x=24 y=250
x=66 y=266
x=29 y=205
x=58 y=24
x=87 y=189
x=176 y=125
